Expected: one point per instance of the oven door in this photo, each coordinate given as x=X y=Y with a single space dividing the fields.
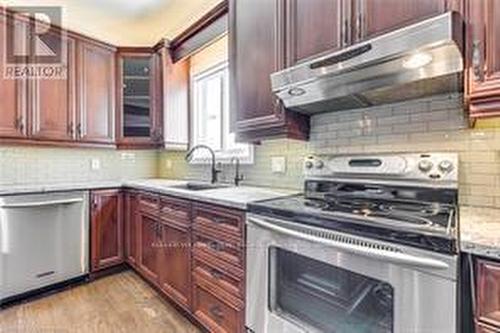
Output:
x=306 y=279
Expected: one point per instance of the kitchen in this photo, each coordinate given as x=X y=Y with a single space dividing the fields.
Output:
x=216 y=165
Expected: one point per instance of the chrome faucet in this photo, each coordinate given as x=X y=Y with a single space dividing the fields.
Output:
x=237 y=176
x=215 y=171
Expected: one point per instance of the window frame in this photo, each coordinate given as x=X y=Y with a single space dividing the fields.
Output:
x=224 y=155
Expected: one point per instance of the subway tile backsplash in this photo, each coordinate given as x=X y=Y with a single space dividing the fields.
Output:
x=35 y=165
x=431 y=124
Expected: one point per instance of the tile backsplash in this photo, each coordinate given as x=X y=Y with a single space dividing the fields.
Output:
x=34 y=165
x=431 y=124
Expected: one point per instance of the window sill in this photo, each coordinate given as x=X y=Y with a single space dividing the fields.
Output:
x=225 y=157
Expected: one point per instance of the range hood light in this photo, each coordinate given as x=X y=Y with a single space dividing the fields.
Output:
x=417 y=60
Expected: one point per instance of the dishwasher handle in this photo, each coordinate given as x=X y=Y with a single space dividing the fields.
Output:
x=42 y=203
x=380 y=254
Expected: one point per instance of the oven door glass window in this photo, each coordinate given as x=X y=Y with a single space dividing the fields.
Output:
x=325 y=298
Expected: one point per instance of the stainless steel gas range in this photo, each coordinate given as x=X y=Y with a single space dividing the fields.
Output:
x=370 y=247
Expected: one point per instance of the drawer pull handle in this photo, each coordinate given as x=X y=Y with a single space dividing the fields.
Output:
x=216 y=246
x=216 y=274
x=219 y=220
x=216 y=312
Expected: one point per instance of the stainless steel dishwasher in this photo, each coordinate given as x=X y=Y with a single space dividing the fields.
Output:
x=44 y=240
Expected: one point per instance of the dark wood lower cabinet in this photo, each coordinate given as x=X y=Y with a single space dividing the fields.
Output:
x=487 y=310
x=106 y=229
x=193 y=253
x=131 y=221
x=175 y=263
x=150 y=238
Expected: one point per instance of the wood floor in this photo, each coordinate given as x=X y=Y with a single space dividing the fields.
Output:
x=118 y=303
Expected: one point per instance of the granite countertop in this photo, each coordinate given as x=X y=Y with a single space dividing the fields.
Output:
x=480 y=231
x=233 y=197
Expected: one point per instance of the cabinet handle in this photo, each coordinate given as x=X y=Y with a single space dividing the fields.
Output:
x=71 y=129
x=216 y=312
x=345 y=33
x=476 y=60
x=20 y=124
x=216 y=246
x=219 y=220
x=359 y=26
x=216 y=274
x=79 y=131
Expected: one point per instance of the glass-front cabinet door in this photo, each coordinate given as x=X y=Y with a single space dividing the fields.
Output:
x=138 y=122
x=325 y=298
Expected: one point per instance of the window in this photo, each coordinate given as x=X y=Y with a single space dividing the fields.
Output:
x=210 y=119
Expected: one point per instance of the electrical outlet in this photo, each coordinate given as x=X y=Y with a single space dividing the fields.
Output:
x=278 y=164
x=95 y=164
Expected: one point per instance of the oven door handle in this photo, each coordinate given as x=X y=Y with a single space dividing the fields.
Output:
x=380 y=254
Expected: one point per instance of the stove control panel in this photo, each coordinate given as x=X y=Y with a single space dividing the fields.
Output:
x=435 y=167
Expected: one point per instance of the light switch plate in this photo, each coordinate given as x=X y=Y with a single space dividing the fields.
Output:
x=278 y=164
x=95 y=164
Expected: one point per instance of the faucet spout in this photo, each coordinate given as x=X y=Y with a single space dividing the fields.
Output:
x=215 y=171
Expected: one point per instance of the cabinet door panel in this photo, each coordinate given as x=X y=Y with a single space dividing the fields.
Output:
x=314 y=26
x=175 y=263
x=106 y=229
x=131 y=228
x=258 y=52
x=488 y=292
x=54 y=104
x=376 y=17
x=96 y=97
x=12 y=95
x=483 y=47
x=149 y=238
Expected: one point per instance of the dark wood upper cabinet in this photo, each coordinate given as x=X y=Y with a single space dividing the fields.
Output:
x=53 y=101
x=483 y=62
x=96 y=93
x=257 y=49
x=13 y=94
x=376 y=17
x=138 y=98
x=106 y=229
x=316 y=26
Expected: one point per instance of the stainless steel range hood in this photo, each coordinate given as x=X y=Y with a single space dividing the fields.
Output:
x=419 y=60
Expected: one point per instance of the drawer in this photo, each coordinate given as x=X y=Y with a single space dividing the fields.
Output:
x=175 y=210
x=220 y=250
x=149 y=203
x=216 y=314
x=220 y=277
x=227 y=222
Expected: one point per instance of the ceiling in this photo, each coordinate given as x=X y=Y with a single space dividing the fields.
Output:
x=126 y=22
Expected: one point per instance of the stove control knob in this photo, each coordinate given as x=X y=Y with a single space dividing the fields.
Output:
x=319 y=164
x=446 y=166
x=309 y=165
x=425 y=165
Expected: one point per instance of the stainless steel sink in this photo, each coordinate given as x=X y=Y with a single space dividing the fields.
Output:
x=199 y=186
